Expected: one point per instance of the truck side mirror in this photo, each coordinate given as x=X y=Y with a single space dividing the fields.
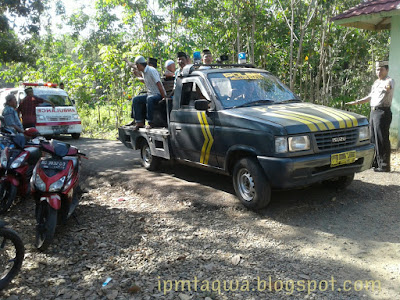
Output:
x=201 y=104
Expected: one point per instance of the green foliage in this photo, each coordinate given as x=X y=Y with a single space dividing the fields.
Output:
x=332 y=64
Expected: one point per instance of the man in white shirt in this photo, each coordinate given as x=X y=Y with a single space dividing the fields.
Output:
x=155 y=92
x=380 y=100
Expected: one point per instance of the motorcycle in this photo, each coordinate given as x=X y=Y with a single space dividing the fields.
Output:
x=54 y=185
x=17 y=161
x=12 y=253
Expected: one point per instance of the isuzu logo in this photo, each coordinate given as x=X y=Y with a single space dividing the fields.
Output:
x=339 y=139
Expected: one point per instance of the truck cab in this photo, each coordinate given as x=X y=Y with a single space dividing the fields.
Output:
x=245 y=123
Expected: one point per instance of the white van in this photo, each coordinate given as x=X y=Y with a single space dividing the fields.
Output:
x=63 y=119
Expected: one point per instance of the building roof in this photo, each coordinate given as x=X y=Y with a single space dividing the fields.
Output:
x=371 y=14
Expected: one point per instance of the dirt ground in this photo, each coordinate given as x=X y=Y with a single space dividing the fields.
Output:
x=181 y=234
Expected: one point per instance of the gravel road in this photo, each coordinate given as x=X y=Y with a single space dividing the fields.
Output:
x=181 y=234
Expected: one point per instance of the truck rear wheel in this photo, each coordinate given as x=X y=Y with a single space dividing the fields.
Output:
x=251 y=184
x=150 y=162
x=75 y=136
x=339 y=182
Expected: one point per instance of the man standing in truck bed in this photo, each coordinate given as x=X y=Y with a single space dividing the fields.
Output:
x=155 y=92
x=380 y=99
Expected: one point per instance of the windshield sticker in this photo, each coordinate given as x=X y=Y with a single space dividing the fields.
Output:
x=243 y=76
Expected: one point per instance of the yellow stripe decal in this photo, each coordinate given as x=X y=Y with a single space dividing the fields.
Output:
x=211 y=140
x=320 y=122
x=203 y=149
x=310 y=125
x=338 y=118
x=353 y=119
x=208 y=138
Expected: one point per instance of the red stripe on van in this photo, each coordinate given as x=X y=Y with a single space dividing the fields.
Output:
x=58 y=123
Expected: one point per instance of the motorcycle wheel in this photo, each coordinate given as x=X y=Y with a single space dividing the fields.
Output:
x=12 y=253
x=46 y=218
x=8 y=192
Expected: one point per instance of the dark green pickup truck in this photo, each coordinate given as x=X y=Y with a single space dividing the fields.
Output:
x=244 y=122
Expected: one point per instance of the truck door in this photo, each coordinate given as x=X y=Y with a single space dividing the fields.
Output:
x=192 y=131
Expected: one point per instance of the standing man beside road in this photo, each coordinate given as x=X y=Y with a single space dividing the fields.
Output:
x=155 y=92
x=27 y=108
x=10 y=114
x=380 y=100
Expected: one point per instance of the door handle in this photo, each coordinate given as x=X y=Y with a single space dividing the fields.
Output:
x=178 y=128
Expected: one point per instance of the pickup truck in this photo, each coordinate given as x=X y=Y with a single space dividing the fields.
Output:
x=244 y=122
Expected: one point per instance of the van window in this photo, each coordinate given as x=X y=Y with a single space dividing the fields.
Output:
x=58 y=100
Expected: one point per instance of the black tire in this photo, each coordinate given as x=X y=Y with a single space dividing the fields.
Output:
x=75 y=136
x=150 y=162
x=339 y=183
x=8 y=192
x=250 y=183
x=46 y=218
x=12 y=253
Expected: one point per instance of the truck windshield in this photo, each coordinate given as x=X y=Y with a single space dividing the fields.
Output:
x=235 y=89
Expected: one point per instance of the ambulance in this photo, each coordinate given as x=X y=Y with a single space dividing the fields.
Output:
x=62 y=119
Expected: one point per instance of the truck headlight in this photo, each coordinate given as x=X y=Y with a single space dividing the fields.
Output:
x=363 y=133
x=299 y=143
x=281 y=145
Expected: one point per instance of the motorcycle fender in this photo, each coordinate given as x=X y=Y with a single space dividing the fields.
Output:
x=12 y=180
x=53 y=200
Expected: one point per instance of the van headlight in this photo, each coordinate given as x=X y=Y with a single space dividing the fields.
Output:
x=363 y=133
x=292 y=144
x=299 y=143
x=40 y=118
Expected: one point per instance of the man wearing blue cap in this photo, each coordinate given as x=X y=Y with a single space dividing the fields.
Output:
x=155 y=92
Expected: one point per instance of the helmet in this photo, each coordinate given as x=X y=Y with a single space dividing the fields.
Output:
x=31 y=132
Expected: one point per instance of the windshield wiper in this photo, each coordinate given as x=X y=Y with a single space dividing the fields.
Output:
x=289 y=101
x=253 y=103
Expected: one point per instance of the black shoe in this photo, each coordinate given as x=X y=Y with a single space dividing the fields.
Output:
x=131 y=123
x=381 y=170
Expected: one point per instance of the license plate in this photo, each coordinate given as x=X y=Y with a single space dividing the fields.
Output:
x=343 y=158
x=60 y=129
x=53 y=164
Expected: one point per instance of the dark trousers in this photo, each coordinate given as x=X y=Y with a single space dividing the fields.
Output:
x=140 y=103
x=380 y=120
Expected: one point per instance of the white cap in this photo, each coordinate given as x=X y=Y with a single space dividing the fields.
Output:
x=140 y=60
x=381 y=64
x=168 y=63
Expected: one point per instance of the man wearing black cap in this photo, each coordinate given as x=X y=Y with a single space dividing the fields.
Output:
x=207 y=59
x=27 y=108
x=183 y=60
x=380 y=99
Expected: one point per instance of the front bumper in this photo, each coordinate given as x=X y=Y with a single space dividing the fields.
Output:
x=58 y=129
x=284 y=173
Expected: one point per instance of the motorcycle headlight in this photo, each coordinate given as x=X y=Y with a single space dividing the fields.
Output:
x=3 y=159
x=56 y=186
x=363 y=133
x=281 y=145
x=299 y=143
x=18 y=161
x=39 y=183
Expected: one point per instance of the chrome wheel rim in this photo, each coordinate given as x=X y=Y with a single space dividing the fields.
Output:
x=146 y=155
x=246 y=186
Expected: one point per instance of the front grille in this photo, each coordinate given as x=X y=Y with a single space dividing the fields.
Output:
x=344 y=138
x=52 y=118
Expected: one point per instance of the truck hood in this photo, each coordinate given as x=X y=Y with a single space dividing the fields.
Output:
x=300 y=117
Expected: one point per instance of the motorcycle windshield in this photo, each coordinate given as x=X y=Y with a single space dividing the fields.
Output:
x=60 y=149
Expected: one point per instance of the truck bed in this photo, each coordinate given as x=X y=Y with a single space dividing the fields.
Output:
x=157 y=138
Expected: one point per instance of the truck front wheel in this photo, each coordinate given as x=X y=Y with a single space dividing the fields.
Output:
x=250 y=183
x=150 y=162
